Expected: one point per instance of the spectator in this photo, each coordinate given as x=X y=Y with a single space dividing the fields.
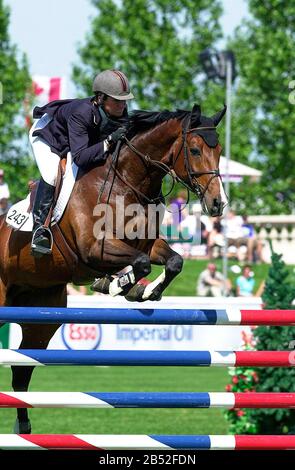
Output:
x=254 y=245
x=233 y=229
x=245 y=283
x=215 y=239
x=178 y=205
x=188 y=227
x=241 y=238
x=211 y=283
x=204 y=234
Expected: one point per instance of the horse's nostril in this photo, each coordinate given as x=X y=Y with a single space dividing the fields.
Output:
x=217 y=207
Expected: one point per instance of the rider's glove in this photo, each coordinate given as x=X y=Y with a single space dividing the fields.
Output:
x=118 y=134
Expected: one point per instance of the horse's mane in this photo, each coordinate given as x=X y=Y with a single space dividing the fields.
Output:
x=140 y=120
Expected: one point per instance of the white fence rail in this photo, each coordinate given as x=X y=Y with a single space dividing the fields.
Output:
x=280 y=229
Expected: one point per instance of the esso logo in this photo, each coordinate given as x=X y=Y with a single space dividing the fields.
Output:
x=81 y=336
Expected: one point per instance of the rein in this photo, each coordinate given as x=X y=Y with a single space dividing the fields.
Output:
x=192 y=175
x=148 y=161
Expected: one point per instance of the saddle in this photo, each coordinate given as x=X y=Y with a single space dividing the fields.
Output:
x=19 y=216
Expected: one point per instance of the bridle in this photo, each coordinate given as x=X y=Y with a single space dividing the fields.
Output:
x=148 y=161
x=193 y=175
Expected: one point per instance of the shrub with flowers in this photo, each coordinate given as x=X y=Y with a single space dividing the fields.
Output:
x=279 y=293
x=243 y=380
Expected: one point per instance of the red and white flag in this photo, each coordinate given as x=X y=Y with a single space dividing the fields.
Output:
x=46 y=89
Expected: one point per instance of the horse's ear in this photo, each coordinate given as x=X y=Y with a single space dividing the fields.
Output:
x=196 y=111
x=196 y=114
x=218 y=116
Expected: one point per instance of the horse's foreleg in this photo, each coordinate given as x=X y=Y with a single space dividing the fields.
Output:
x=21 y=377
x=162 y=254
x=34 y=337
x=116 y=252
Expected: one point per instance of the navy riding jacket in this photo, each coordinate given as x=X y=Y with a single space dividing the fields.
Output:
x=79 y=126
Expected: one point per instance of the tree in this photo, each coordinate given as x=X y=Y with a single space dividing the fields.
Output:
x=279 y=293
x=15 y=82
x=263 y=109
x=156 y=43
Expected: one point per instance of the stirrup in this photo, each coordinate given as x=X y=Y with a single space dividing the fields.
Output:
x=38 y=250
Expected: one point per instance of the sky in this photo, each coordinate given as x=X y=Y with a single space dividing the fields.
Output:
x=48 y=31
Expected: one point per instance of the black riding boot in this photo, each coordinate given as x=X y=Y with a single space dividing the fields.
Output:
x=42 y=237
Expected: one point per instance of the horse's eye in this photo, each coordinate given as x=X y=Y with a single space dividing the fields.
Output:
x=195 y=152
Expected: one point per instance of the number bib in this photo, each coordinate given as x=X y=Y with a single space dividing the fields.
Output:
x=18 y=216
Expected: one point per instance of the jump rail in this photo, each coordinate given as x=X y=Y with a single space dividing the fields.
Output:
x=142 y=442
x=145 y=400
x=230 y=316
x=41 y=357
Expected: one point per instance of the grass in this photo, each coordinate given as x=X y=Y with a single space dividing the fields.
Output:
x=121 y=421
x=185 y=283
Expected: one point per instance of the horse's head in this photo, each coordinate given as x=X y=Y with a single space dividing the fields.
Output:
x=185 y=142
x=195 y=159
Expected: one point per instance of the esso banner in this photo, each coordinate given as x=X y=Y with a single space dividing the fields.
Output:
x=137 y=337
x=147 y=337
x=78 y=336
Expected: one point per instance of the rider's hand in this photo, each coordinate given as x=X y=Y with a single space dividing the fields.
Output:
x=116 y=135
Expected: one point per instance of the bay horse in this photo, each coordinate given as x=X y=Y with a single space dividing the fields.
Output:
x=182 y=143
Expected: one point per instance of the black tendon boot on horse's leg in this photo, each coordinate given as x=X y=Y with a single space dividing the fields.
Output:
x=123 y=280
x=21 y=377
x=42 y=237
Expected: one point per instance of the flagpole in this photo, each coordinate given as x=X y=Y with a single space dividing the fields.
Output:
x=227 y=175
x=221 y=65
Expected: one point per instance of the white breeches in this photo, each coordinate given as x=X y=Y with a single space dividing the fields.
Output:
x=46 y=160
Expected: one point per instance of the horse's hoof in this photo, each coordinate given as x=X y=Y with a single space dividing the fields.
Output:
x=102 y=285
x=135 y=293
x=155 y=298
x=156 y=295
x=22 y=427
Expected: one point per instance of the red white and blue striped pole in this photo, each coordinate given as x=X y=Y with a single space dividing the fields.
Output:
x=41 y=357
x=144 y=442
x=157 y=316
x=146 y=400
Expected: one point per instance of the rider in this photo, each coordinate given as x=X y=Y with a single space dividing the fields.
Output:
x=89 y=128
